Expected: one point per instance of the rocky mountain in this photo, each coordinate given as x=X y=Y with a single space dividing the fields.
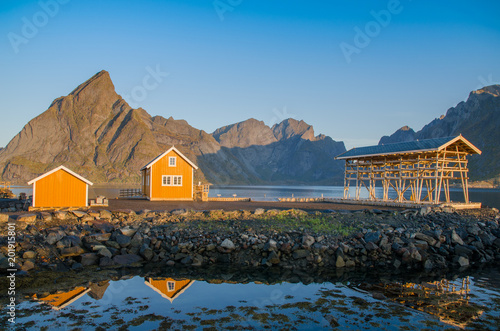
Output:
x=95 y=132
x=477 y=119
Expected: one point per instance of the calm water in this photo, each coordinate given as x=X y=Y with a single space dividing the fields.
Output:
x=489 y=197
x=226 y=301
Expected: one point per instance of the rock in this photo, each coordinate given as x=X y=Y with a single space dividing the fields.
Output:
x=300 y=254
x=415 y=255
x=27 y=218
x=210 y=247
x=227 y=244
x=463 y=251
x=28 y=265
x=273 y=258
x=179 y=212
x=420 y=236
x=29 y=255
x=97 y=237
x=106 y=214
x=379 y=296
x=146 y=252
x=187 y=260
x=106 y=262
x=87 y=259
x=332 y=321
x=104 y=252
x=79 y=214
x=170 y=263
x=4 y=218
x=463 y=261
x=60 y=215
x=396 y=264
x=126 y=259
x=53 y=237
x=372 y=237
x=370 y=246
x=270 y=245
x=424 y=211
x=428 y=265
x=102 y=225
x=122 y=240
x=455 y=238
x=77 y=266
x=259 y=211
x=46 y=217
x=307 y=240
x=72 y=251
x=340 y=263
x=128 y=231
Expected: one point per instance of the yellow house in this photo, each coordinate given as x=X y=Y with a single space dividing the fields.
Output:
x=60 y=187
x=169 y=288
x=169 y=176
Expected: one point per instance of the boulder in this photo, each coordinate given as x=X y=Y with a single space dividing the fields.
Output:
x=29 y=255
x=128 y=231
x=340 y=263
x=28 y=265
x=4 y=218
x=47 y=217
x=456 y=239
x=373 y=237
x=104 y=252
x=179 y=212
x=60 y=215
x=79 y=214
x=126 y=259
x=300 y=254
x=89 y=259
x=27 y=218
x=72 y=251
x=53 y=237
x=97 y=237
x=106 y=214
x=106 y=262
x=259 y=211
x=273 y=258
x=227 y=244
x=308 y=240
x=420 y=236
x=463 y=261
x=122 y=240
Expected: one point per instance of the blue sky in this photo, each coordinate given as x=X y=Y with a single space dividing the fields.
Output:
x=355 y=70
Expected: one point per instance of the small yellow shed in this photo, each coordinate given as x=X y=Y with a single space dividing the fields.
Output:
x=60 y=187
x=169 y=176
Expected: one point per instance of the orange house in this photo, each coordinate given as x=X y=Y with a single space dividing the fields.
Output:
x=169 y=288
x=60 y=187
x=61 y=300
x=169 y=176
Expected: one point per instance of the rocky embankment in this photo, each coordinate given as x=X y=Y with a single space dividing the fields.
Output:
x=423 y=239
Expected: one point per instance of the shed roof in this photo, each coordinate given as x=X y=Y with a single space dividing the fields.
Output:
x=60 y=168
x=159 y=157
x=425 y=145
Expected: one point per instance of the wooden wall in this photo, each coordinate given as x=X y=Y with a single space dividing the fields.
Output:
x=182 y=168
x=60 y=189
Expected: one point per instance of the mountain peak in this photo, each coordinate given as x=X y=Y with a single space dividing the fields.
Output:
x=491 y=89
x=291 y=127
x=101 y=82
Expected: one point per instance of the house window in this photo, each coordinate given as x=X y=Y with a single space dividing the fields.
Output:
x=168 y=180
x=172 y=161
x=171 y=286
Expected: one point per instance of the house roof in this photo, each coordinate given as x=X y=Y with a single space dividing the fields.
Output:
x=159 y=157
x=60 y=168
x=425 y=145
x=162 y=290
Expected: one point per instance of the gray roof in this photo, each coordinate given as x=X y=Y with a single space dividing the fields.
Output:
x=406 y=147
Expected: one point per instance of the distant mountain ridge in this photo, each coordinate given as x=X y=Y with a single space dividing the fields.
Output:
x=477 y=119
x=94 y=132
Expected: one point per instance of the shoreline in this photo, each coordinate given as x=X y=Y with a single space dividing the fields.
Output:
x=418 y=240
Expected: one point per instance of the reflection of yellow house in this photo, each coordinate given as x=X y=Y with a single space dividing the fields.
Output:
x=61 y=300
x=168 y=288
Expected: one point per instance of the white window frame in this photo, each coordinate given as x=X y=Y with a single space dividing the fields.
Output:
x=174 y=180
x=170 y=158
x=170 y=286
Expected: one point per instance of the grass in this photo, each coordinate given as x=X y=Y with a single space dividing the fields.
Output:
x=279 y=222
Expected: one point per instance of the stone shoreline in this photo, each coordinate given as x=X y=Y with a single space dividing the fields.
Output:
x=423 y=240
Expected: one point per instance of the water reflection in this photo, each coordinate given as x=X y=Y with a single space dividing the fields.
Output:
x=281 y=299
x=449 y=301
x=168 y=288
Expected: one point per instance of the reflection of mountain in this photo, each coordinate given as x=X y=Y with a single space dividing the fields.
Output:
x=61 y=300
x=449 y=302
x=169 y=288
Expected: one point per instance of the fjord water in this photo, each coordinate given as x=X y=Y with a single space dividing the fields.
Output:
x=489 y=197
x=288 y=300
